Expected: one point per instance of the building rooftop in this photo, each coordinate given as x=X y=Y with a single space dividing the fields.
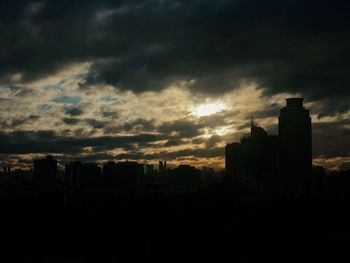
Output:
x=295 y=102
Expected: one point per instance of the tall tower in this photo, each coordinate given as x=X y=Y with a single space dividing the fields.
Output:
x=296 y=148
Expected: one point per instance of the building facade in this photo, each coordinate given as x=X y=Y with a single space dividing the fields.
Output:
x=294 y=129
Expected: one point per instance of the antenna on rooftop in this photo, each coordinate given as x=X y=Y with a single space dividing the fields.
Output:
x=253 y=123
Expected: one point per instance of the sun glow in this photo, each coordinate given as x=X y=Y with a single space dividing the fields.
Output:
x=222 y=130
x=207 y=109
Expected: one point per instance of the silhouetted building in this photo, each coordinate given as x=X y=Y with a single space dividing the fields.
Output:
x=72 y=173
x=45 y=171
x=6 y=169
x=274 y=165
x=82 y=175
x=162 y=168
x=233 y=160
x=184 y=175
x=317 y=189
x=296 y=148
x=123 y=174
x=254 y=162
x=90 y=175
x=109 y=169
x=150 y=170
x=207 y=172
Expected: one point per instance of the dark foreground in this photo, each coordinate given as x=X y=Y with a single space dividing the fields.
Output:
x=92 y=227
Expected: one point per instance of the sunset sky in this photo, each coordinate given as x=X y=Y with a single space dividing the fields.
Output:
x=168 y=80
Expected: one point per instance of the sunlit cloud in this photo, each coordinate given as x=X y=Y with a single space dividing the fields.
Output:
x=190 y=129
x=209 y=108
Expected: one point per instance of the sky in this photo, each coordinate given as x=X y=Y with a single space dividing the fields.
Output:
x=151 y=80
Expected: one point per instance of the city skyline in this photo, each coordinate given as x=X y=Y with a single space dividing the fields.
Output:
x=170 y=80
x=64 y=159
x=174 y=130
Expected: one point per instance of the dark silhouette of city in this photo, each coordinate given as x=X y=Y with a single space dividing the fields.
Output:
x=270 y=205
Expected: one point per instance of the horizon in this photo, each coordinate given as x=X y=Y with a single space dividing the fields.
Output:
x=172 y=80
x=255 y=91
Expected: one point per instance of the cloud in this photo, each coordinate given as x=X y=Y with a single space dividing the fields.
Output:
x=147 y=45
x=96 y=124
x=183 y=128
x=73 y=111
x=71 y=121
x=23 y=142
x=67 y=100
x=140 y=67
x=331 y=139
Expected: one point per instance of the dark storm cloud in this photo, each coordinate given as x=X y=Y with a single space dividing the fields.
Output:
x=136 y=126
x=96 y=124
x=213 y=141
x=331 y=139
x=170 y=134
x=22 y=142
x=15 y=122
x=19 y=121
x=139 y=125
x=73 y=111
x=174 y=155
x=273 y=111
x=199 y=153
x=174 y=142
x=179 y=129
x=71 y=121
x=295 y=46
x=109 y=114
x=184 y=128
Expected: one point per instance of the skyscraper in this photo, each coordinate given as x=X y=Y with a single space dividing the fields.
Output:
x=296 y=148
x=233 y=162
x=275 y=165
x=254 y=162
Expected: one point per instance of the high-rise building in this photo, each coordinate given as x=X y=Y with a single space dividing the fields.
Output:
x=45 y=171
x=296 y=148
x=233 y=160
x=280 y=164
x=254 y=162
x=82 y=175
x=123 y=174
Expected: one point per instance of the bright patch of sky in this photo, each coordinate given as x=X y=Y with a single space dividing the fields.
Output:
x=209 y=108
